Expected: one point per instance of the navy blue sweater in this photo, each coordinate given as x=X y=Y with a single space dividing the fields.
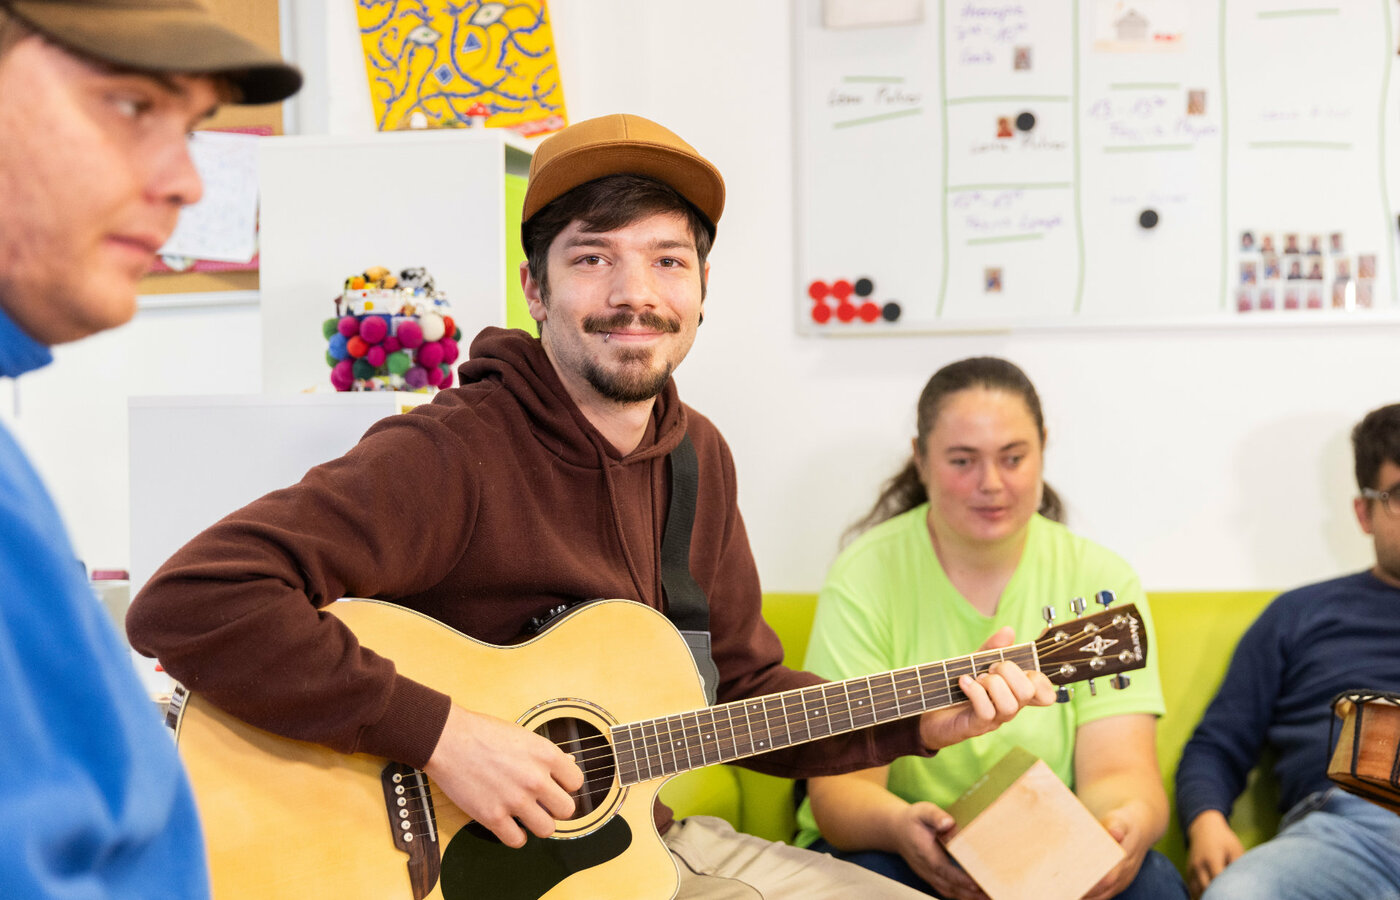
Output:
x=1309 y=645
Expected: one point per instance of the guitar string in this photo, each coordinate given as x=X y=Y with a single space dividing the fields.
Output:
x=888 y=685
x=597 y=748
x=780 y=715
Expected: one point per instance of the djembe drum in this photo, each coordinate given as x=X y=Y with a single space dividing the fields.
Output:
x=1365 y=760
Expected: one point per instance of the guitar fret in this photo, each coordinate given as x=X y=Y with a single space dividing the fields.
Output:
x=731 y=751
x=767 y=742
x=663 y=745
x=817 y=712
x=691 y=736
x=622 y=753
x=907 y=684
x=863 y=712
x=709 y=743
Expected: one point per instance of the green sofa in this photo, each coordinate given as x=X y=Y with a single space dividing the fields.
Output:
x=1195 y=634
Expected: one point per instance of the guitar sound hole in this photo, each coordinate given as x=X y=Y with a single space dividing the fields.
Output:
x=591 y=750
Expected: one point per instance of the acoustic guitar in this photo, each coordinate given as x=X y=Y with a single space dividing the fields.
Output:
x=613 y=684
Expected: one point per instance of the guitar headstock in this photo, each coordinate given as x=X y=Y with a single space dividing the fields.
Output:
x=1101 y=644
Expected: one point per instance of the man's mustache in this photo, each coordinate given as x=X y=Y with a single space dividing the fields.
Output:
x=621 y=321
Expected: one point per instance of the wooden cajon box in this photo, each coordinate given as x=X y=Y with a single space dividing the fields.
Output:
x=1023 y=835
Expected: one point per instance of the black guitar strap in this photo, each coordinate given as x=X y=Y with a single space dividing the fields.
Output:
x=686 y=604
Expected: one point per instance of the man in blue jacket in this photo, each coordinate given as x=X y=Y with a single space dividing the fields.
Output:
x=97 y=98
x=1307 y=647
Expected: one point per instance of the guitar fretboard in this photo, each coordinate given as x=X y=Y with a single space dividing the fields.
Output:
x=653 y=748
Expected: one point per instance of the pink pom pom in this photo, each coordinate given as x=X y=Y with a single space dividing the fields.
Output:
x=429 y=355
x=374 y=329
x=343 y=375
x=392 y=345
x=349 y=326
x=376 y=356
x=450 y=350
x=410 y=334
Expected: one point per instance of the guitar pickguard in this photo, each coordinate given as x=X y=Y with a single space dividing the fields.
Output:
x=477 y=865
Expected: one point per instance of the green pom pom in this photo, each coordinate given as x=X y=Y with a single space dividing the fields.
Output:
x=331 y=360
x=328 y=328
x=456 y=335
x=363 y=369
x=398 y=362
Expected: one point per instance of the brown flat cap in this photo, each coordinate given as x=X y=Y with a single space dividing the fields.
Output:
x=161 y=36
x=621 y=145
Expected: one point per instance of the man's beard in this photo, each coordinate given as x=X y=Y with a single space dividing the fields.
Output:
x=635 y=381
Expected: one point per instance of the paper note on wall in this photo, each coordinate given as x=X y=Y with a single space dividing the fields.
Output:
x=223 y=225
x=438 y=64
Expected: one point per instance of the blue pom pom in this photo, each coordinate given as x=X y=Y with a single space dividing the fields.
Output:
x=337 y=347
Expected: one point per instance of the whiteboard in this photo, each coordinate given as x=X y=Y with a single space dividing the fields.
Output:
x=991 y=164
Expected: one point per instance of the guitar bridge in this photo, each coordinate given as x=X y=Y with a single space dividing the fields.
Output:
x=413 y=821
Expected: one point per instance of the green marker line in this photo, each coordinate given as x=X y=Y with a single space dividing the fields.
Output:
x=873 y=79
x=849 y=123
x=1314 y=145
x=1008 y=186
x=1008 y=98
x=1005 y=240
x=1150 y=148
x=1293 y=13
x=1146 y=86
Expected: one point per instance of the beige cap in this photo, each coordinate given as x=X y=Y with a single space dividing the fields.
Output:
x=161 y=36
x=621 y=145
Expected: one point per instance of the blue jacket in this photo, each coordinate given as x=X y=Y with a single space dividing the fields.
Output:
x=1309 y=645
x=93 y=800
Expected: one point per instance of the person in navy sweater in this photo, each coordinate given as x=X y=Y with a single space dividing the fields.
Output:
x=97 y=99
x=1308 y=646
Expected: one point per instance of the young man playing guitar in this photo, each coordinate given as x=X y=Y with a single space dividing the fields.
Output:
x=1307 y=647
x=545 y=479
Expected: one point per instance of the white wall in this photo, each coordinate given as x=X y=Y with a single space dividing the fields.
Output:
x=1210 y=458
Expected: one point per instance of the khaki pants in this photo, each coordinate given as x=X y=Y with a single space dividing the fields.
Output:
x=718 y=863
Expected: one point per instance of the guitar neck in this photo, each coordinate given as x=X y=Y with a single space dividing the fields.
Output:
x=666 y=746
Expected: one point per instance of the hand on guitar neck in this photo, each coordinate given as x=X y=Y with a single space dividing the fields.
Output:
x=510 y=779
x=994 y=697
x=503 y=775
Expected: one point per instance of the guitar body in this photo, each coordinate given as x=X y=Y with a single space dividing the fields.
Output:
x=288 y=819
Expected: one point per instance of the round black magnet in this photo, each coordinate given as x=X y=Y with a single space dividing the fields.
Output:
x=864 y=287
x=1025 y=121
x=890 y=311
x=1148 y=218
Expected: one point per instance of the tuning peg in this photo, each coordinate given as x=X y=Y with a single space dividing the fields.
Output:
x=1048 y=614
x=1093 y=688
x=1104 y=598
x=1078 y=605
x=1062 y=694
x=1120 y=681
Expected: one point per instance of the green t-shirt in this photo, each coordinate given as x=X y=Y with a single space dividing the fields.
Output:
x=888 y=604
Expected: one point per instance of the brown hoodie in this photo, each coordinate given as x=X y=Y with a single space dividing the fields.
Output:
x=483 y=509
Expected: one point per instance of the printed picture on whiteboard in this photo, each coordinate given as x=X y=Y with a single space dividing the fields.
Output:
x=1138 y=26
x=439 y=64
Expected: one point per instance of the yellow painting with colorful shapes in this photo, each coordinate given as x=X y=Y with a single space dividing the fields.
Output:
x=439 y=64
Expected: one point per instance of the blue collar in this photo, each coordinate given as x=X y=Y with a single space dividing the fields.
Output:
x=19 y=353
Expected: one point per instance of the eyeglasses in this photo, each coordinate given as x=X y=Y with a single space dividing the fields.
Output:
x=1389 y=499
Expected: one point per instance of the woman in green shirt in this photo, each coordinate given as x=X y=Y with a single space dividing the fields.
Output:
x=961 y=544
